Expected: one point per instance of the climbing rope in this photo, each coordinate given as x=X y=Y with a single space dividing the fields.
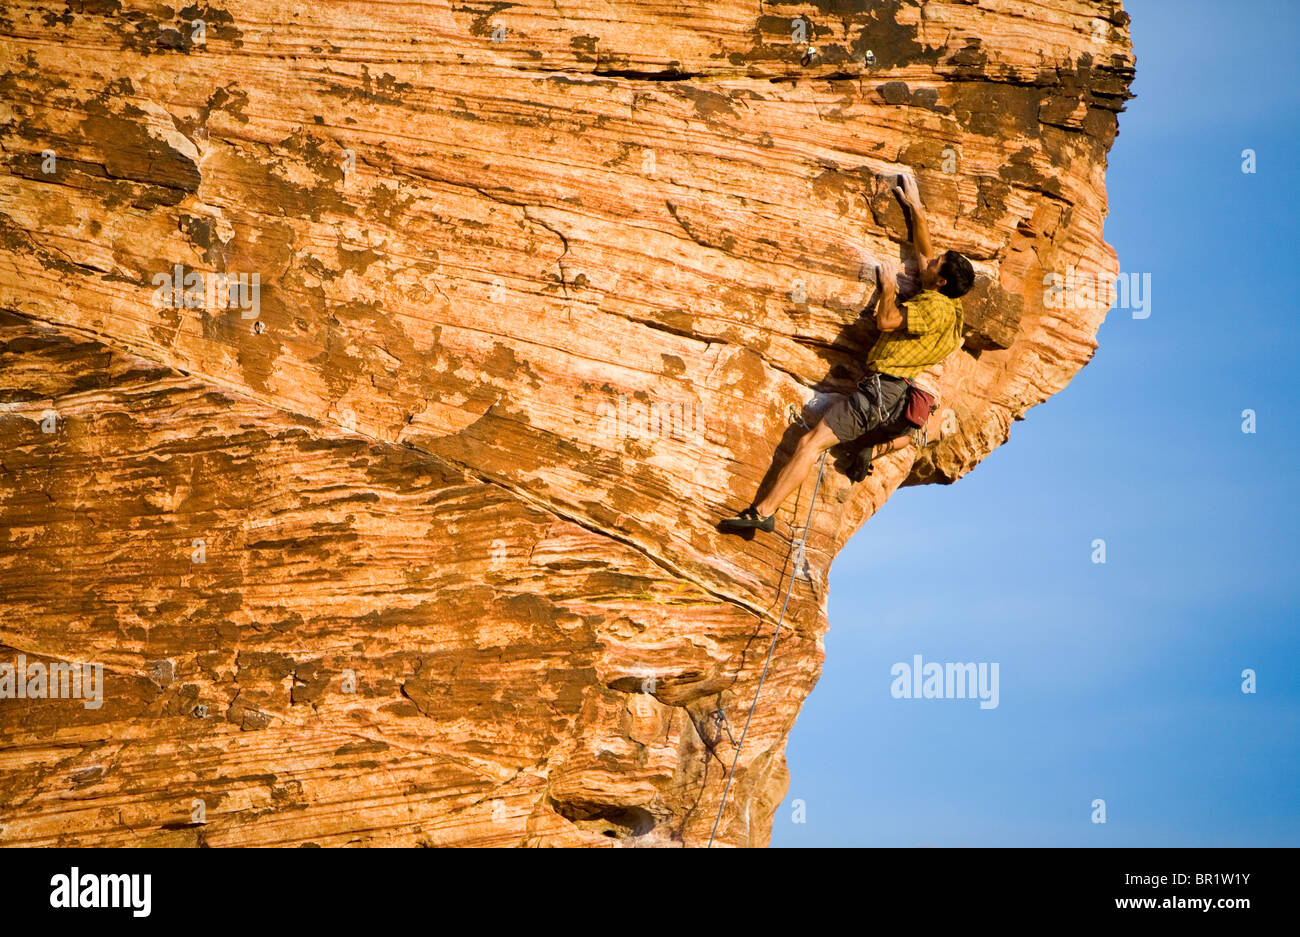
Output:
x=794 y=574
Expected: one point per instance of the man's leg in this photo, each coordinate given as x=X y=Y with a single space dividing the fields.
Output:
x=810 y=446
x=847 y=418
x=860 y=465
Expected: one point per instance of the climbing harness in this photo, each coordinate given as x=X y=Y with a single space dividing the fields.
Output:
x=794 y=574
x=872 y=380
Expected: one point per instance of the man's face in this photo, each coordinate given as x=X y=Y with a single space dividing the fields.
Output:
x=930 y=279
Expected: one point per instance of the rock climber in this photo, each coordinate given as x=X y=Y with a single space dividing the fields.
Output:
x=900 y=388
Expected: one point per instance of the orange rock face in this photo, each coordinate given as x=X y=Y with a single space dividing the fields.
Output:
x=373 y=377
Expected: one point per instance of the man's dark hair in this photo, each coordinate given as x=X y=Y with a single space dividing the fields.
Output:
x=958 y=274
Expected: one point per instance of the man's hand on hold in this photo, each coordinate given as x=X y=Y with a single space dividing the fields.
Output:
x=907 y=192
x=910 y=196
x=886 y=276
x=887 y=315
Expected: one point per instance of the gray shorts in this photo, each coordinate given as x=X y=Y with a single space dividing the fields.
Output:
x=861 y=412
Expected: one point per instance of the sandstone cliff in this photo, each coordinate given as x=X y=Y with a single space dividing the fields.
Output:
x=412 y=540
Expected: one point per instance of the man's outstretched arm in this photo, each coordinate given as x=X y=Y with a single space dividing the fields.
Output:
x=910 y=196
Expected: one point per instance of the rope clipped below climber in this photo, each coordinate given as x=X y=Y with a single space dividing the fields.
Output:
x=794 y=574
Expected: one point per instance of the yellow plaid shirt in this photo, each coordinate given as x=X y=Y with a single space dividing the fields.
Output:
x=932 y=326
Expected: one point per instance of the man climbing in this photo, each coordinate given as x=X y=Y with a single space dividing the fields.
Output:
x=887 y=404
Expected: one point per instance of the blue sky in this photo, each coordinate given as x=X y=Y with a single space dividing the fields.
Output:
x=1119 y=681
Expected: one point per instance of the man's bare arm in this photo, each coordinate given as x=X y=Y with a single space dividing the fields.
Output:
x=888 y=316
x=910 y=196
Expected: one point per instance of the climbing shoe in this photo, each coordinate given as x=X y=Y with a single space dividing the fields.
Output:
x=749 y=519
x=860 y=465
